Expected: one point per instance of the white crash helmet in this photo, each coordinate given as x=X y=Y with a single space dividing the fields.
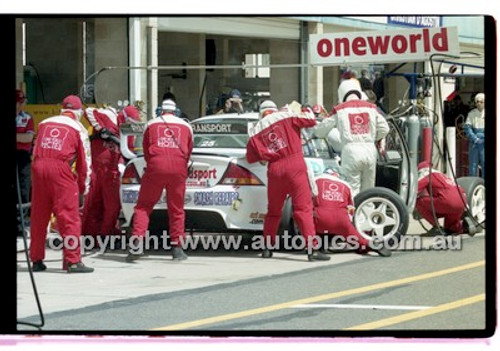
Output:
x=266 y=107
x=168 y=105
x=347 y=87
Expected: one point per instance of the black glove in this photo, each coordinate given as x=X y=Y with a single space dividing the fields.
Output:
x=104 y=134
x=81 y=200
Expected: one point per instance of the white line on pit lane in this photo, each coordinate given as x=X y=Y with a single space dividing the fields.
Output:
x=366 y=307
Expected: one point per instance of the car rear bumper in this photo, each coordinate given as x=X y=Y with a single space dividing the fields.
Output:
x=196 y=221
x=219 y=209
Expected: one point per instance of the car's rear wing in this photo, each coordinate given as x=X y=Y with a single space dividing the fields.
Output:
x=137 y=129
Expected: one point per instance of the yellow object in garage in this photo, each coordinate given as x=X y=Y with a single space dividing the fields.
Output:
x=39 y=112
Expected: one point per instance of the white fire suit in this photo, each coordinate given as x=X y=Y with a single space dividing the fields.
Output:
x=360 y=125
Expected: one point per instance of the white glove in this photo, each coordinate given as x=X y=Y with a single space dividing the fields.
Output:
x=121 y=168
x=312 y=182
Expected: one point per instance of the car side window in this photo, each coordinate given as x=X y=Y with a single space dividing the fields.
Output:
x=313 y=146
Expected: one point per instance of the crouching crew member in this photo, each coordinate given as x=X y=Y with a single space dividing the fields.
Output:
x=333 y=208
x=56 y=189
x=167 y=145
x=276 y=139
x=440 y=195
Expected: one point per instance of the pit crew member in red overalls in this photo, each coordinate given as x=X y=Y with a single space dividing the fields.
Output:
x=333 y=208
x=56 y=188
x=276 y=139
x=25 y=132
x=360 y=125
x=440 y=194
x=102 y=204
x=167 y=145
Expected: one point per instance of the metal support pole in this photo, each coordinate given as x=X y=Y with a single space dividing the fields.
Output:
x=413 y=124
x=451 y=143
x=304 y=70
x=152 y=75
x=135 y=59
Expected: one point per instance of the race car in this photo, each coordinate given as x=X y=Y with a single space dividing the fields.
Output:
x=224 y=193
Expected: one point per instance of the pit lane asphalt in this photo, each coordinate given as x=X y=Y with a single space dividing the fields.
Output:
x=77 y=302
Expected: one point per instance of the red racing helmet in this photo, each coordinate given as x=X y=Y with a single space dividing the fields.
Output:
x=129 y=114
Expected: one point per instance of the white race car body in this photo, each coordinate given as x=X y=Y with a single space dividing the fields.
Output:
x=224 y=193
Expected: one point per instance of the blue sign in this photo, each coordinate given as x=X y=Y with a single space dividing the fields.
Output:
x=130 y=196
x=217 y=198
x=416 y=21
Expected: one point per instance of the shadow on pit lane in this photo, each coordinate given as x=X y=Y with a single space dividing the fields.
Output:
x=202 y=245
x=165 y=255
x=48 y=270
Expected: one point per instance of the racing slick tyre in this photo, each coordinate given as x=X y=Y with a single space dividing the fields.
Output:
x=287 y=223
x=380 y=213
x=476 y=192
x=288 y=228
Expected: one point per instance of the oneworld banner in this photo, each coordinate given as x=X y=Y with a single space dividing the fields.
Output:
x=391 y=46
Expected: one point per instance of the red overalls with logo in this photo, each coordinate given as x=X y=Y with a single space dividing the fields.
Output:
x=61 y=140
x=167 y=145
x=448 y=201
x=102 y=204
x=330 y=211
x=276 y=139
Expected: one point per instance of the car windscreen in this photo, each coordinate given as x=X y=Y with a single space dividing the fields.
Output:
x=221 y=133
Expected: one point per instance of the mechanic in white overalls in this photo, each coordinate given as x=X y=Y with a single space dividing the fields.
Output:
x=360 y=125
x=474 y=129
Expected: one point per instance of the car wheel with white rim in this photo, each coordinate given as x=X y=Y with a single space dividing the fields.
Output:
x=476 y=193
x=380 y=213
